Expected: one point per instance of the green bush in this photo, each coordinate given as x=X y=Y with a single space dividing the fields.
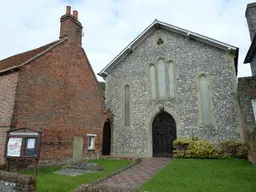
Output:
x=181 y=144
x=200 y=149
x=237 y=149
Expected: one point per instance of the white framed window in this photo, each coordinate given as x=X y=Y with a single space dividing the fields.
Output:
x=91 y=141
x=127 y=105
x=161 y=77
x=152 y=79
x=254 y=108
x=171 y=79
x=108 y=87
x=205 y=101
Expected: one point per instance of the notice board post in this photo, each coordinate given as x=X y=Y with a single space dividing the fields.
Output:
x=23 y=144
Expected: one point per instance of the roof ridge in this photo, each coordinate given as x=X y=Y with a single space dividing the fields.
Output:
x=29 y=59
x=196 y=33
x=41 y=53
x=24 y=52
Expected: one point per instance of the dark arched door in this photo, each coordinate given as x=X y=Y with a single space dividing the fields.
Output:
x=106 y=138
x=163 y=133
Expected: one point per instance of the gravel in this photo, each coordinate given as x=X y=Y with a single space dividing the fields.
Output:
x=80 y=168
x=85 y=166
x=7 y=186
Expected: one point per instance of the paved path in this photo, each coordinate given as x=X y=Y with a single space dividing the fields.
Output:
x=138 y=174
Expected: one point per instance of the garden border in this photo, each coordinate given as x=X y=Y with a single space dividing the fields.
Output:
x=135 y=162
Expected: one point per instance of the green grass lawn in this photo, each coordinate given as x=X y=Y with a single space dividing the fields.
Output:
x=191 y=175
x=47 y=181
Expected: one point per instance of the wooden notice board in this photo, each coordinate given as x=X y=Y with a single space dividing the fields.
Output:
x=23 y=143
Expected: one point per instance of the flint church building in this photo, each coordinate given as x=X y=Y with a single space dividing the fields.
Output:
x=170 y=83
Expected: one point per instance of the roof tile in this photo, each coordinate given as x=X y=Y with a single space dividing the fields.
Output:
x=18 y=59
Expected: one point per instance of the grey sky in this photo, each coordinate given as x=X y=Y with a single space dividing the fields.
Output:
x=110 y=25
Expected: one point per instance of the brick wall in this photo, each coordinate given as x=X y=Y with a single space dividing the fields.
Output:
x=17 y=182
x=247 y=92
x=8 y=83
x=59 y=93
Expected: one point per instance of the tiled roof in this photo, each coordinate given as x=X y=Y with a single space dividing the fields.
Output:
x=22 y=58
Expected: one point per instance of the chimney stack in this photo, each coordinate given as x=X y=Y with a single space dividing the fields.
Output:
x=75 y=14
x=250 y=15
x=70 y=27
x=68 y=10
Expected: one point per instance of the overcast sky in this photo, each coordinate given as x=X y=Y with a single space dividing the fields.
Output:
x=110 y=25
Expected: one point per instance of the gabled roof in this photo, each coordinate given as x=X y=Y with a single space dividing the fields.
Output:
x=17 y=61
x=159 y=24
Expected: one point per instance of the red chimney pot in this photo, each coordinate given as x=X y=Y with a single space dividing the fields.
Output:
x=70 y=27
x=68 y=10
x=75 y=14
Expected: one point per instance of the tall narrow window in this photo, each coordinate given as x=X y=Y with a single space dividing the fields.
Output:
x=171 y=79
x=254 y=108
x=161 y=78
x=108 y=86
x=205 y=99
x=127 y=105
x=152 y=81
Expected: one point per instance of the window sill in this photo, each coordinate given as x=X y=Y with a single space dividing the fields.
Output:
x=91 y=149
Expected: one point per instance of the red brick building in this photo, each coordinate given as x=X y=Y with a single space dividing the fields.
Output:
x=53 y=88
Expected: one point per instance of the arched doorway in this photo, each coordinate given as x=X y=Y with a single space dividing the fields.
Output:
x=106 y=148
x=163 y=133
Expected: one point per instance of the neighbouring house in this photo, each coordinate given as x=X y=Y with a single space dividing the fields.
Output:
x=53 y=88
x=171 y=83
x=247 y=86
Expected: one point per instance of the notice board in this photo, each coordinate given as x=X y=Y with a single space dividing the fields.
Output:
x=14 y=147
x=30 y=147
x=23 y=143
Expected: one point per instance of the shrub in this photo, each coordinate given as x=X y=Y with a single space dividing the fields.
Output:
x=181 y=144
x=195 y=149
x=237 y=149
